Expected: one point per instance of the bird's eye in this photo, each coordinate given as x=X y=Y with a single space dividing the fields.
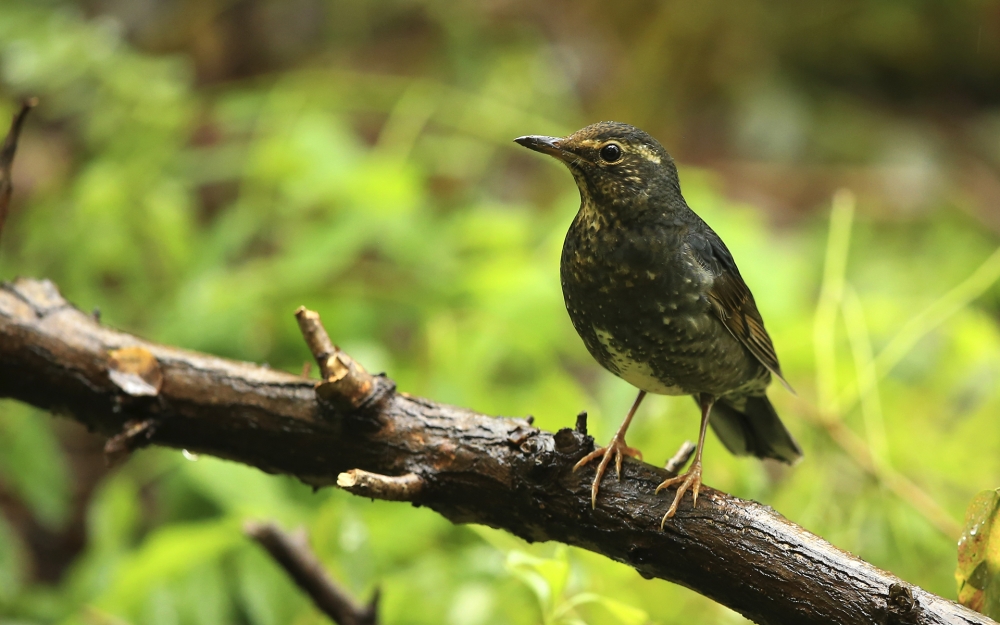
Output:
x=611 y=153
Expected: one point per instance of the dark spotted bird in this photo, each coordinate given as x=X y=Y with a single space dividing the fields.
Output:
x=657 y=299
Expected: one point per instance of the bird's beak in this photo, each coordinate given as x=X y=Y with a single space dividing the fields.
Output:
x=546 y=145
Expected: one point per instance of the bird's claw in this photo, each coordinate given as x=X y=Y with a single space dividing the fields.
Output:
x=616 y=448
x=688 y=481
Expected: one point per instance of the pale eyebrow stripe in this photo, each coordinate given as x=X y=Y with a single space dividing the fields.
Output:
x=649 y=155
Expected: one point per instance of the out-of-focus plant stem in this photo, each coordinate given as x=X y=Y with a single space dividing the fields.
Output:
x=831 y=293
x=836 y=294
x=923 y=323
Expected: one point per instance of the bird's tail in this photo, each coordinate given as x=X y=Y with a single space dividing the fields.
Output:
x=749 y=425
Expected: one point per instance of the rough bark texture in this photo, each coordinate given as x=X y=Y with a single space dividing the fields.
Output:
x=469 y=467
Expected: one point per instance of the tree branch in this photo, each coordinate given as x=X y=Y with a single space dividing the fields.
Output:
x=292 y=553
x=469 y=467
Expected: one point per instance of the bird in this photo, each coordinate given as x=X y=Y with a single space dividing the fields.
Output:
x=659 y=301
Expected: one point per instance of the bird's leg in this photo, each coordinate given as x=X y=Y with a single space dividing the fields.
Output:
x=615 y=449
x=692 y=479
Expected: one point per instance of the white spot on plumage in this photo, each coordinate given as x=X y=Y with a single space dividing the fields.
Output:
x=695 y=321
x=638 y=374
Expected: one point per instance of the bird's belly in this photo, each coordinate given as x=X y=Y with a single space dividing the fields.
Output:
x=642 y=311
x=671 y=346
x=638 y=374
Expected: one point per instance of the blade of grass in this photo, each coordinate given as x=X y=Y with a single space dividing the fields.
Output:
x=831 y=293
x=407 y=120
x=985 y=276
x=864 y=367
x=900 y=485
x=831 y=404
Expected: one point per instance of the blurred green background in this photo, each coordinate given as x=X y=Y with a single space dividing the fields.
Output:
x=197 y=169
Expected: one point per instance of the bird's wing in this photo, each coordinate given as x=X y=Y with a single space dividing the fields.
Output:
x=732 y=301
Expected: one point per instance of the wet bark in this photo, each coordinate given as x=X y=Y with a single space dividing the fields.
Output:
x=468 y=467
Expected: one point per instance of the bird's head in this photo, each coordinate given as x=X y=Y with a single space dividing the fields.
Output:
x=613 y=164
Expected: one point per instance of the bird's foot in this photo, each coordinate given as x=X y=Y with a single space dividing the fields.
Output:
x=688 y=481
x=615 y=449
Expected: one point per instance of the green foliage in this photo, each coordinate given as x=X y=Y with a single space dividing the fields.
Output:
x=12 y=563
x=548 y=577
x=32 y=463
x=978 y=572
x=399 y=209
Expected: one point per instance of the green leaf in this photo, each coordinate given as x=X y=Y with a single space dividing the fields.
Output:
x=161 y=606
x=33 y=462
x=545 y=576
x=498 y=539
x=114 y=514
x=204 y=598
x=168 y=553
x=268 y=596
x=978 y=572
x=112 y=527
x=623 y=613
x=12 y=558
x=227 y=484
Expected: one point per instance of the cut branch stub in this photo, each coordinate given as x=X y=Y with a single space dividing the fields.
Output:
x=134 y=434
x=345 y=383
x=345 y=380
x=679 y=459
x=377 y=486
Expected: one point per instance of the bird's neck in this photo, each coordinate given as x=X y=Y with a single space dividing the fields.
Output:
x=600 y=212
x=591 y=216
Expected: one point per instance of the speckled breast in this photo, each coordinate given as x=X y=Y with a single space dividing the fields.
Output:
x=639 y=303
